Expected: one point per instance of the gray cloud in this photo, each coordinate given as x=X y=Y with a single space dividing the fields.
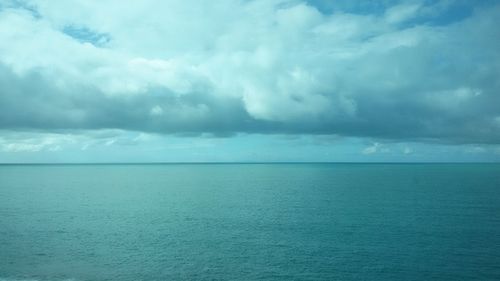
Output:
x=259 y=67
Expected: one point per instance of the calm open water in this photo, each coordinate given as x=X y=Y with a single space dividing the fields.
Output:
x=250 y=222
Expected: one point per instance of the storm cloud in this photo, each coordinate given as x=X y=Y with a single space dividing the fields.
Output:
x=404 y=71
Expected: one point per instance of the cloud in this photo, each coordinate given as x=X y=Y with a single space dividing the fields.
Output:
x=30 y=143
x=402 y=12
x=371 y=149
x=407 y=150
x=39 y=141
x=376 y=148
x=230 y=67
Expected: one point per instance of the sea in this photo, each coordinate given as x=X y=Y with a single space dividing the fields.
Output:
x=250 y=221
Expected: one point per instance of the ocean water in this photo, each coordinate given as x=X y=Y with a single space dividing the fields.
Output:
x=250 y=222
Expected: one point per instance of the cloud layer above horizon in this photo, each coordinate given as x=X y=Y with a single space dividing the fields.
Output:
x=419 y=71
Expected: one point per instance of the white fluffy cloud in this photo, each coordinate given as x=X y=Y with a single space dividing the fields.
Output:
x=250 y=66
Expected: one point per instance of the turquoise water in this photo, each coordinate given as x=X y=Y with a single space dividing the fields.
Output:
x=250 y=222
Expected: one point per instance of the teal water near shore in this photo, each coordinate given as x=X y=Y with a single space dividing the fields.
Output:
x=250 y=222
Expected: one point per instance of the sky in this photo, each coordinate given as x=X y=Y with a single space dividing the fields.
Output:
x=249 y=80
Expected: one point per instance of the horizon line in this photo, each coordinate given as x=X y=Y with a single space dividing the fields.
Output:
x=248 y=162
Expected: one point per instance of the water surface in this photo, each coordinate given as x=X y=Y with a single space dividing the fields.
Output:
x=250 y=222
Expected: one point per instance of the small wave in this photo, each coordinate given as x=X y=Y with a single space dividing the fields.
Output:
x=36 y=279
